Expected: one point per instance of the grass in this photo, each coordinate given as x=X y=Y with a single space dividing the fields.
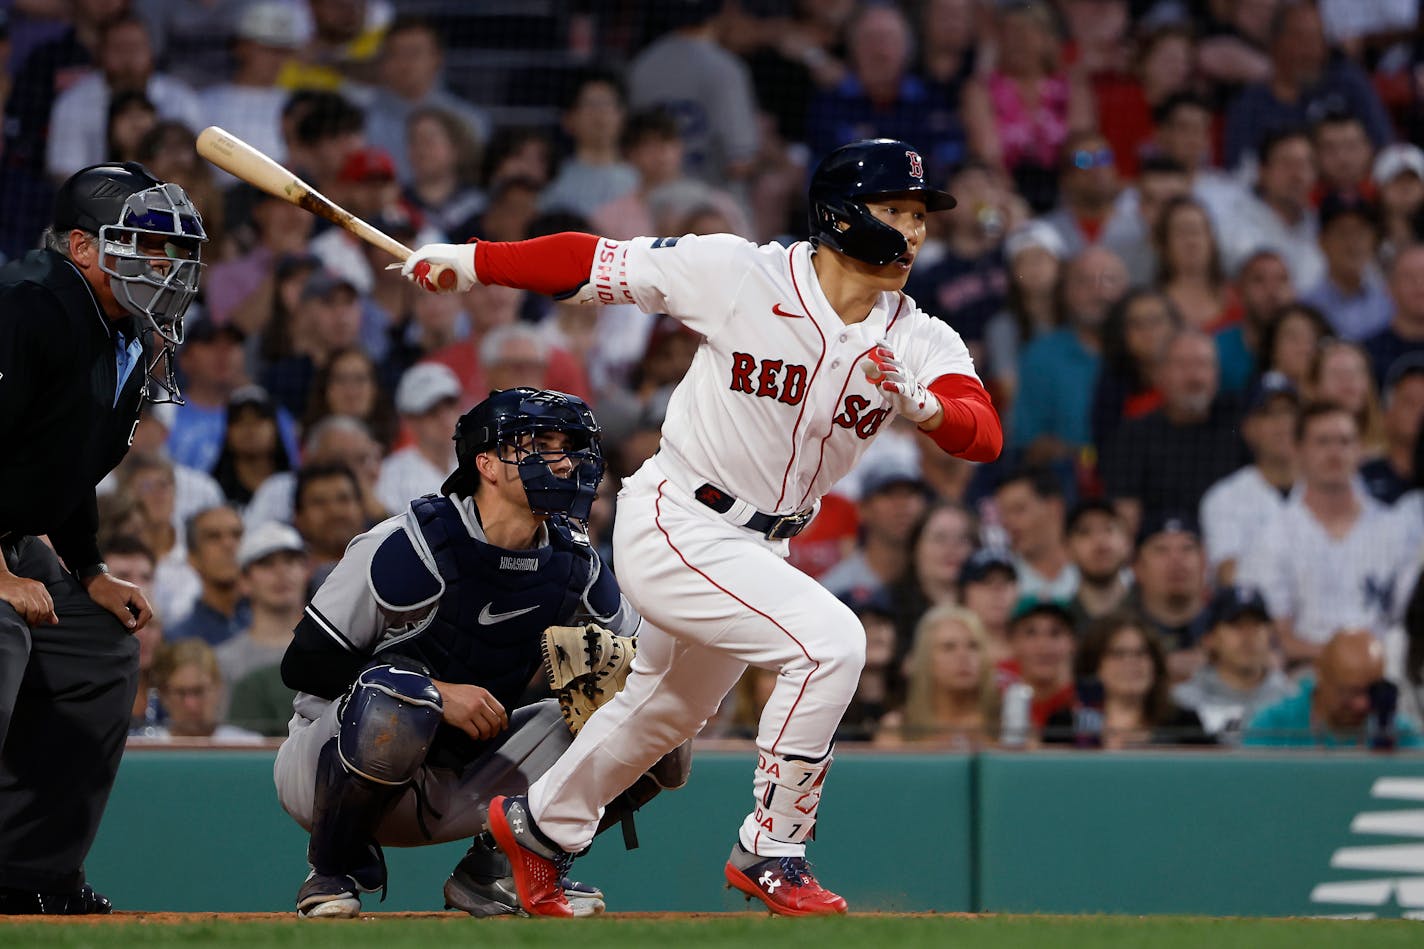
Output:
x=693 y=932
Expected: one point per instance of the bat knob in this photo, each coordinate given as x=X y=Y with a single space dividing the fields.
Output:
x=447 y=279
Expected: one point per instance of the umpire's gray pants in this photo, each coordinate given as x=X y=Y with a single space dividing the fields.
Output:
x=66 y=693
x=457 y=801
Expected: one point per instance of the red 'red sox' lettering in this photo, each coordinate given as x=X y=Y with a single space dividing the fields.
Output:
x=864 y=425
x=774 y=379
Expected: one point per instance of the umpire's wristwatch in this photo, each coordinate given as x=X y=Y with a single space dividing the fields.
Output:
x=92 y=571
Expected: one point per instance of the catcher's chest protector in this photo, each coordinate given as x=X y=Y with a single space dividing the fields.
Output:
x=489 y=622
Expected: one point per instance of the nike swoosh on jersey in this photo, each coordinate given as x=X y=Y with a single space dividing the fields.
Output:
x=486 y=618
x=776 y=308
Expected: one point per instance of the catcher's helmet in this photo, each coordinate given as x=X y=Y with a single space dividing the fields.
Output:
x=864 y=171
x=150 y=242
x=509 y=413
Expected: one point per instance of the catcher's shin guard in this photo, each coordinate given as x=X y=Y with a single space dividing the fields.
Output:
x=345 y=859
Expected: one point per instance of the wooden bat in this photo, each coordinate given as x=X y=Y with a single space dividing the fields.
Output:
x=241 y=160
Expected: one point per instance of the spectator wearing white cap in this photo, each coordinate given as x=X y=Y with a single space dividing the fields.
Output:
x=267 y=34
x=275 y=572
x=428 y=400
x=1033 y=257
x=1399 y=179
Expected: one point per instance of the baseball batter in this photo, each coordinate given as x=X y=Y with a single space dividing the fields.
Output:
x=808 y=352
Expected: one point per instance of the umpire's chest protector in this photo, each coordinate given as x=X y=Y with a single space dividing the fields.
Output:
x=493 y=604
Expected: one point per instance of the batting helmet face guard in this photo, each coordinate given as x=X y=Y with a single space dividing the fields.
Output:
x=867 y=171
x=150 y=242
x=516 y=418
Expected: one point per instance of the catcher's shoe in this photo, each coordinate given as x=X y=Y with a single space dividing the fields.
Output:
x=481 y=884
x=538 y=864
x=81 y=902
x=327 y=896
x=338 y=895
x=785 y=884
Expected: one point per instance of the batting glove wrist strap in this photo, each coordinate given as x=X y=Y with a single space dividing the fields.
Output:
x=442 y=268
x=910 y=398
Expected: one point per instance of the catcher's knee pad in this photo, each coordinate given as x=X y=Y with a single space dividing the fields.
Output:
x=387 y=722
x=788 y=792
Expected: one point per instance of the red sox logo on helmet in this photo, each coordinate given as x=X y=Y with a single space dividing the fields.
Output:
x=917 y=167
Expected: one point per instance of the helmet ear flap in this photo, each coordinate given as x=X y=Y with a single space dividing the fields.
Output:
x=848 y=226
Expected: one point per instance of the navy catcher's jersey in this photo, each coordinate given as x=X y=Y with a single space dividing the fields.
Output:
x=426 y=585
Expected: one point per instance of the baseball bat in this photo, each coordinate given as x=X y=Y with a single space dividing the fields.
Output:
x=241 y=160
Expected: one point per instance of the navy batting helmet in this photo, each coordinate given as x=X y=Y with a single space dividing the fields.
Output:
x=864 y=171
x=509 y=413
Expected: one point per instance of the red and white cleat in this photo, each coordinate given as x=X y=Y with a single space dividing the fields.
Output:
x=785 y=884
x=537 y=866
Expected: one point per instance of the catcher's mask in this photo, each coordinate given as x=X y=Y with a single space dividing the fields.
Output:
x=150 y=245
x=513 y=419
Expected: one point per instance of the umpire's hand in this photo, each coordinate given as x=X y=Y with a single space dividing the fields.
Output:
x=123 y=599
x=471 y=709
x=29 y=598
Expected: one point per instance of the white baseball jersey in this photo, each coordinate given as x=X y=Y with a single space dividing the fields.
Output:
x=1323 y=584
x=1235 y=511
x=775 y=409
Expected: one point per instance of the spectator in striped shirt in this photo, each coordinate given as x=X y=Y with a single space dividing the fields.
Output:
x=1333 y=558
x=1236 y=509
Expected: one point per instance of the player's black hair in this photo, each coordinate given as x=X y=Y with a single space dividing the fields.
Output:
x=308 y=474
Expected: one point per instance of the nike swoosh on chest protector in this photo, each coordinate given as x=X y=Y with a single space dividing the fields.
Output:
x=486 y=618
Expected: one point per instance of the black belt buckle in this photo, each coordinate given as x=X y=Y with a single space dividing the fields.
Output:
x=788 y=526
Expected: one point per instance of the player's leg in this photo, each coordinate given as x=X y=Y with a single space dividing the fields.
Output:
x=357 y=760
x=481 y=883
x=62 y=750
x=771 y=615
x=673 y=688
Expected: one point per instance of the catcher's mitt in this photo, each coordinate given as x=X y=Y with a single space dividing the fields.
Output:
x=586 y=665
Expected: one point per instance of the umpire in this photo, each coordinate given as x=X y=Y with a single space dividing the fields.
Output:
x=84 y=324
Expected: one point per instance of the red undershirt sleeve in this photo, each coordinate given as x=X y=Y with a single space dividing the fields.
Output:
x=554 y=265
x=971 y=428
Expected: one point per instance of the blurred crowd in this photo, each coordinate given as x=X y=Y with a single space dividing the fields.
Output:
x=1187 y=259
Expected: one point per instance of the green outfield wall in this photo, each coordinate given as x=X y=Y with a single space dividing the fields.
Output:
x=1055 y=832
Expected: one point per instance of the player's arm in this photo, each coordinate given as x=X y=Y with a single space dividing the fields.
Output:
x=693 y=278
x=954 y=409
x=339 y=628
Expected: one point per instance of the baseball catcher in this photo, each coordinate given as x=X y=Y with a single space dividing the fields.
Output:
x=411 y=658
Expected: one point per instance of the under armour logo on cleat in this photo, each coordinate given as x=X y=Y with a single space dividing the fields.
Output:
x=769 y=881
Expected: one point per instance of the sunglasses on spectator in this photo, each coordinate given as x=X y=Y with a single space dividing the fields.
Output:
x=1098 y=158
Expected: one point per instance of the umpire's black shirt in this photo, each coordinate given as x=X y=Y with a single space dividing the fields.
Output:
x=61 y=427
